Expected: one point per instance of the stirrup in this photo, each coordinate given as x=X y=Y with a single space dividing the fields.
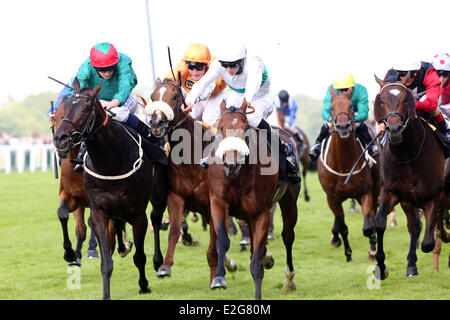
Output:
x=204 y=162
x=79 y=168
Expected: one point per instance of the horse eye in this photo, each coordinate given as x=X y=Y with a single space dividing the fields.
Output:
x=174 y=98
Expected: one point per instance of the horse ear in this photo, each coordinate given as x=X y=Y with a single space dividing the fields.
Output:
x=349 y=92
x=158 y=81
x=223 y=107
x=377 y=110
x=379 y=81
x=76 y=85
x=410 y=105
x=244 y=105
x=96 y=90
x=332 y=92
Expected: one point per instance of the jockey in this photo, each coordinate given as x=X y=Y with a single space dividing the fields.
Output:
x=425 y=85
x=288 y=106
x=113 y=69
x=247 y=78
x=441 y=63
x=360 y=101
x=192 y=68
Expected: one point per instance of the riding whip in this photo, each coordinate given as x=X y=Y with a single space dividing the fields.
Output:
x=55 y=161
x=359 y=158
x=179 y=77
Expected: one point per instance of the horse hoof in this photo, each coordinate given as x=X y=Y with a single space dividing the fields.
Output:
x=378 y=274
x=289 y=286
x=145 y=291
x=70 y=256
x=219 y=283
x=372 y=255
x=307 y=198
x=336 y=243
x=76 y=263
x=230 y=264
x=268 y=261
x=92 y=254
x=412 y=272
x=163 y=271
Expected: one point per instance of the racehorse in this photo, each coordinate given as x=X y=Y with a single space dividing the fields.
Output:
x=119 y=177
x=73 y=198
x=303 y=146
x=341 y=151
x=188 y=181
x=412 y=170
x=243 y=185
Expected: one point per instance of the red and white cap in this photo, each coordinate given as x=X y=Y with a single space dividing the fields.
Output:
x=442 y=61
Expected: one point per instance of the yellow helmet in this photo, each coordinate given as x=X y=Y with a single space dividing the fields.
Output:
x=343 y=80
x=197 y=52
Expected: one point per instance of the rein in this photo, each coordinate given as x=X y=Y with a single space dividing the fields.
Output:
x=418 y=152
x=178 y=107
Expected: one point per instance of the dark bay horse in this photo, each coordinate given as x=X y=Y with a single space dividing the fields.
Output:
x=341 y=151
x=244 y=185
x=412 y=170
x=303 y=146
x=119 y=178
x=188 y=181
x=73 y=198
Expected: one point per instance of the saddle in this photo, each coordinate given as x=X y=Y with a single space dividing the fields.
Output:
x=440 y=136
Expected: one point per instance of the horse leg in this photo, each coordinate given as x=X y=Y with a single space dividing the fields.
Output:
x=63 y=215
x=414 y=233
x=387 y=202
x=259 y=228
x=289 y=213
x=92 y=249
x=185 y=236
x=368 y=210
x=211 y=254
x=100 y=224
x=175 y=206
x=340 y=227
x=140 y=225
x=430 y=212
x=437 y=249
x=123 y=246
x=80 y=230
x=219 y=215
x=158 y=199
x=305 y=190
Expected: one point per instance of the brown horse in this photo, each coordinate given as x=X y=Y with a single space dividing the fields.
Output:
x=188 y=181
x=341 y=151
x=244 y=185
x=303 y=146
x=73 y=198
x=412 y=170
x=120 y=178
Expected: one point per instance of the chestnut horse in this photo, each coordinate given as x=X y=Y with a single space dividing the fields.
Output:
x=73 y=198
x=243 y=185
x=188 y=181
x=119 y=177
x=412 y=170
x=302 y=143
x=341 y=151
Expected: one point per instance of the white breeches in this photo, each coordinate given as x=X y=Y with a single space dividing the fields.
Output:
x=208 y=110
x=122 y=112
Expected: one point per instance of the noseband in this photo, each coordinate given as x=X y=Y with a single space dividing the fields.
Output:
x=404 y=119
x=169 y=126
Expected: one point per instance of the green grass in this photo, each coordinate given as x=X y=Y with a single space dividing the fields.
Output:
x=32 y=266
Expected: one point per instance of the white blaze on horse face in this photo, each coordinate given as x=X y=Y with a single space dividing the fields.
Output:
x=234 y=122
x=162 y=90
x=394 y=92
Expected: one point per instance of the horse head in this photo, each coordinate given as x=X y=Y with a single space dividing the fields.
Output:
x=342 y=113
x=165 y=108
x=395 y=107
x=233 y=149
x=79 y=118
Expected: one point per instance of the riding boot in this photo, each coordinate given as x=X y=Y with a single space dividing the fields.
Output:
x=445 y=130
x=288 y=166
x=362 y=132
x=79 y=161
x=314 y=153
x=153 y=146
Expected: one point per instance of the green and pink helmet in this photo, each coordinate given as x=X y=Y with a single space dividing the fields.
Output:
x=104 y=55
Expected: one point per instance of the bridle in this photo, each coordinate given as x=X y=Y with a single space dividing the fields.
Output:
x=351 y=117
x=180 y=100
x=404 y=119
x=86 y=129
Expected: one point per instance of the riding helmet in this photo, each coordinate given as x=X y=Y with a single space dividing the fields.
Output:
x=104 y=55
x=442 y=62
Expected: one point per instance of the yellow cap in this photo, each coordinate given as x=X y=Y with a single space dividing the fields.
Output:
x=343 y=80
x=197 y=52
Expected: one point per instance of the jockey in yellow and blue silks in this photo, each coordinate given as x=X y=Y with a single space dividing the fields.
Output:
x=360 y=101
x=288 y=106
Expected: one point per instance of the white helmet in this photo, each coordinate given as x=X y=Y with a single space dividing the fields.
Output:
x=232 y=52
x=407 y=66
x=441 y=62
